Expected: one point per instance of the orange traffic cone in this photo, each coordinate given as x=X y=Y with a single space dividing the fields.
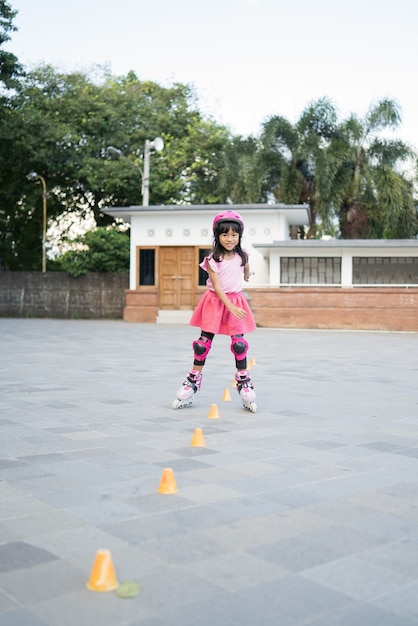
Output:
x=198 y=439
x=252 y=362
x=213 y=411
x=168 y=482
x=234 y=383
x=227 y=396
x=103 y=577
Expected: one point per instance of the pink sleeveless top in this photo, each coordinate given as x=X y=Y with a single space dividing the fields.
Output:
x=230 y=273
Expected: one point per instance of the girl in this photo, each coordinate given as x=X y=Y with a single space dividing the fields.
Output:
x=223 y=309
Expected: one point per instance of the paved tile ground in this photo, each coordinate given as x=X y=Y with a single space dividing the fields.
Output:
x=305 y=513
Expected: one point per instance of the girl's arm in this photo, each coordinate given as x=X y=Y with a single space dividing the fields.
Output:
x=235 y=310
x=247 y=272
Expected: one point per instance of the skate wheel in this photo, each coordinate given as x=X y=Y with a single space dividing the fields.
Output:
x=250 y=406
x=181 y=404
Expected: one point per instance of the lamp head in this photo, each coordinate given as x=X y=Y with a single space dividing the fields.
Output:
x=157 y=144
x=114 y=151
x=32 y=176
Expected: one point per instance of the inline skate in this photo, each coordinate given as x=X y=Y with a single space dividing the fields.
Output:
x=245 y=389
x=185 y=395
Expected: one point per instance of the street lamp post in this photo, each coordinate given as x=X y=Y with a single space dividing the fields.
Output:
x=35 y=176
x=158 y=145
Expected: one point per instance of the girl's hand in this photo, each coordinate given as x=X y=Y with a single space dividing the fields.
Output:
x=238 y=312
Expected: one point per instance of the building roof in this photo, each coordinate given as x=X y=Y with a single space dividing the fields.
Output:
x=320 y=244
x=296 y=214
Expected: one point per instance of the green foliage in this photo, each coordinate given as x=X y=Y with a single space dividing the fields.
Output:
x=372 y=195
x=60 y=125
x=295 y=156
x=349 y=172
x=242 y=174
x=102 y=250
x=10 y=67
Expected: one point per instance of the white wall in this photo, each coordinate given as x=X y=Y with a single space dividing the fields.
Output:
x=346 y=251
x=177 y=228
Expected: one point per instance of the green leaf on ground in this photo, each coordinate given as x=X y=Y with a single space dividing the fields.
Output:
x=129 y=589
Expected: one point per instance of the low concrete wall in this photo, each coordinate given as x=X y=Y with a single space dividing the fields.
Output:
x=58 y=295
x=377 y=308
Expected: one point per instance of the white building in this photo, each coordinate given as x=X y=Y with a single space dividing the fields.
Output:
x=190 y=227
x=168 y=242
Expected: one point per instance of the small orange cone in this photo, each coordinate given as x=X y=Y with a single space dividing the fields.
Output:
x=234 y=383
x=252 y=361
x=198 y=439
x=168 y=482
x=213 y=411
x=103 y=577
x=227 y=396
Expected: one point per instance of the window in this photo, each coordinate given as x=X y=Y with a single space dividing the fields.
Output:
x=147 y=266
x=310 y=270
x=385 y=270
x=203 y=276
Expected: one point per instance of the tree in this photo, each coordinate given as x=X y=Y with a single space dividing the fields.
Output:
x=349 y=171
x=10 y=68
x=60 y=126
x=102 y=250
x=200 y=160
x=295 y=157
x=370 y=190
x=242 y=175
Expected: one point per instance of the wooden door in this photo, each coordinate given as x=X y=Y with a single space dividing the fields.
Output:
x=177 y=277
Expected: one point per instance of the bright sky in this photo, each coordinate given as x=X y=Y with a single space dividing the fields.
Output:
x=248 y=59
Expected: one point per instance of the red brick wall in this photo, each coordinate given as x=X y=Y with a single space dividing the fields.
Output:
x=141 y=305
x=379 y=308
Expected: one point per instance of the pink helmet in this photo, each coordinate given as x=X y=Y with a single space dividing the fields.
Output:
x=228 y=216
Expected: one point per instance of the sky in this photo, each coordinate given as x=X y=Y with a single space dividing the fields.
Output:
x=246 y=59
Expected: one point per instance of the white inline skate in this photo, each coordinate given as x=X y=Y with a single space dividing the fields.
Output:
x=246 y=390
x=185 y=395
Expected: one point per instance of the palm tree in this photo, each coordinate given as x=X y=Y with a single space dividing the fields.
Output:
x=350 y=172
x=369 y=189
x=295 y=158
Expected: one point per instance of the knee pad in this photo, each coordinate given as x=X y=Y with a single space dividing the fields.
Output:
x=201 y=348
x=239 y=347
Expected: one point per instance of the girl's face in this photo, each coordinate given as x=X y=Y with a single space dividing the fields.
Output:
x=229 y=240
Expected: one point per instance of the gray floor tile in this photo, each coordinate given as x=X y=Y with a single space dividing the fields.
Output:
x=360 y=615
x=19 y=617
x=357 y=578
x=19 y=554
x=303 y=514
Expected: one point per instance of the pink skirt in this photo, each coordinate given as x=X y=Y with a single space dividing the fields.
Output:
x=212 y=315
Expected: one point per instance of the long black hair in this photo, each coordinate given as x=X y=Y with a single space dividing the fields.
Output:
x=218 y=250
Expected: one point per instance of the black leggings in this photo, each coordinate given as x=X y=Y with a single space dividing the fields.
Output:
x=240 y=365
